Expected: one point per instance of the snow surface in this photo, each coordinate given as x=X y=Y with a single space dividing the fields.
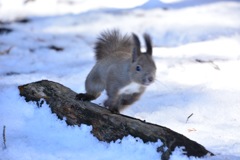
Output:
x=196 y=49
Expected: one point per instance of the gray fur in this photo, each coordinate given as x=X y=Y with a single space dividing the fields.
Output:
x=119 y=63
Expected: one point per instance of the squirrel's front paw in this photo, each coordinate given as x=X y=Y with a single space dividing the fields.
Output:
x=111 y=106
x=114 y=111
x=84 y=97
x=80 y=96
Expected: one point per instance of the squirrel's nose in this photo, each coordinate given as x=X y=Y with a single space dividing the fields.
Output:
x=150 y=79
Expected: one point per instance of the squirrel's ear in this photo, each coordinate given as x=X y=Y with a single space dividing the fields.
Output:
x=136 y=49
x=148 y=43
x=134 y=55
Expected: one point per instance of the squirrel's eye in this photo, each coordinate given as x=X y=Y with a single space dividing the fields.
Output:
x=138 y=68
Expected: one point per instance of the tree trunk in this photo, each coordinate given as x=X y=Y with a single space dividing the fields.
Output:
x=106 y=126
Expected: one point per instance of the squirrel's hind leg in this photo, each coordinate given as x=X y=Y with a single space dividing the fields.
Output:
x=93 y=85
x=128 y=99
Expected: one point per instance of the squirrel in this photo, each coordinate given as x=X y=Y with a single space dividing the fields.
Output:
x=121 y=69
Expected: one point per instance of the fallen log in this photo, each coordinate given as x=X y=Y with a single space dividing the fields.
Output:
x=106 y=125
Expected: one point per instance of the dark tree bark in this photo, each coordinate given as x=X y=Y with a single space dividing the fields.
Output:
x=106 y=126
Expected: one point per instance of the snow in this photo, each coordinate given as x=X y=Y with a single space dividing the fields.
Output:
x=34 y=133
x=197 y=53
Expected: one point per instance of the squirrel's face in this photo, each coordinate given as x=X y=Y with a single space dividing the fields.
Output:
x=143 y=70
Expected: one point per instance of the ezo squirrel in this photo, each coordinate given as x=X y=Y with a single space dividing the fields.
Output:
x=121 y=69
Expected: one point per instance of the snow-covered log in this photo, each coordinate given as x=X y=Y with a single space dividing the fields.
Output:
x=106 y=125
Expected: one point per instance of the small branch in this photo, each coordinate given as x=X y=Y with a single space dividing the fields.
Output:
x=192 y=130
x=215 y=66
x=189 y=117
x=56 y=48
x=27 y=1
x=4 y=138
x=7 y=51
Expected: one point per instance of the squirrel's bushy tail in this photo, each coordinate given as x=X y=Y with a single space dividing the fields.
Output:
x=112 y=42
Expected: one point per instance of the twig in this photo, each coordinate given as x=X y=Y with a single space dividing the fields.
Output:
x=191 y=129
x=215 y=66
x=26 y=1
x=7 y=51
x=189 y=117
x=4 y=138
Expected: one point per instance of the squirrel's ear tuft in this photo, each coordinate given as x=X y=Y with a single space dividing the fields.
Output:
x=134 y=54
x=148 y=43
x=136 y=42
x=137 y=47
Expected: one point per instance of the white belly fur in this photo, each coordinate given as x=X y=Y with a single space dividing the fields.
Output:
x=130 y=89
